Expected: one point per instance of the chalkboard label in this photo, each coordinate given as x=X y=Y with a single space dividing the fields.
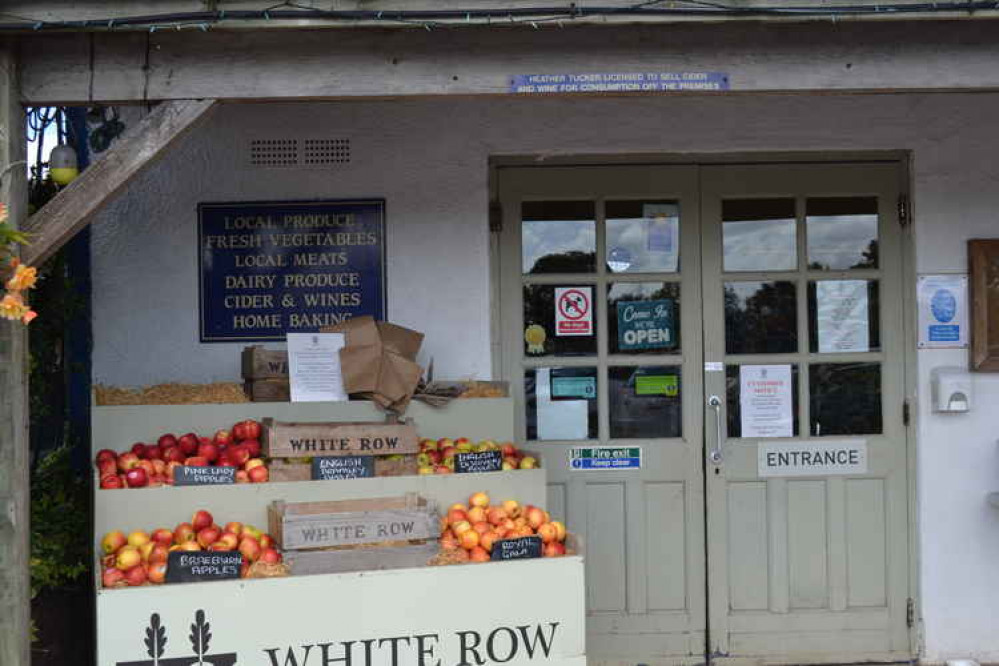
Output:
x=486 y=461
x=193 y=566
x=521 y=548
x=189 y=475
x=330 y=468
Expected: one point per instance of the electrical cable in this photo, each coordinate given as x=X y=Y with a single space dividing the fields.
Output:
x=692 y=8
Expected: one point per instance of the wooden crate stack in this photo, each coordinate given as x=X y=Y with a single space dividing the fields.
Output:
x=355 y=535
x=290 y=446
x=265 y=374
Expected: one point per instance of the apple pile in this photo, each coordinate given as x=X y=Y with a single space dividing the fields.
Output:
x=152 y=465
x=436 y=456
x=141 y=557
x=469 y=532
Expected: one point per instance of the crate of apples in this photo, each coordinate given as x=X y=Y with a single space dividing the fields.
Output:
x=152 y=465
x=140 y=558
x=468 y=532
x=436 y=456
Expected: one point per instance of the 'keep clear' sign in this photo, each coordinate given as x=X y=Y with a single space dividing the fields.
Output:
x=803 y=458
x=268 y=269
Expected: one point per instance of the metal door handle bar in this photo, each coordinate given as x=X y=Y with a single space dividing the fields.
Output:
x=715 y=454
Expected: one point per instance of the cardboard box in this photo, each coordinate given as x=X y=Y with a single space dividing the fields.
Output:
x=379 y=361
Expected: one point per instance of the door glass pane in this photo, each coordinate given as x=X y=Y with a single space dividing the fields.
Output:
x=760 y=318
x=845 y=318
x=842 y=233
x=733 y=389
x=644 y=401
x=561 y=403
x=643 y=317
x=845 y=398
x=558 y=237
x=643 y=236
x=759 y=235
x=540 y=331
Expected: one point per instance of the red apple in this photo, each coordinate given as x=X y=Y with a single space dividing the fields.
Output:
x=553 y=549
x=169 y=471
x=238 y=454
x=449 y=541
x=208 y=536
x=434 y=457
x=478 y=554
x=242 y=476
x=250 y=548
x=158 y=553
x=196 y=461
x=496 y=515
x=188 y=443
x=266 y=541
x=508 y=449
x=112 y=541
x=548 y=533
x=476 y=514
x=482 y=527
x=166 y=440
x=270 y=556
x=139 y=449
x=192 y=546
x=443 y=469
x=535 y=516
x=136 y=576
x=209 y=452
x=156 y=572
x=163 y=536
x=253 y=462
x=136 y=477
x=222 y=437
x=127 y=461
x=448 y=452
x=113 y=577
x=479 y=499
x=253 y=446
x=201 y=520
x=146 y=465
x=159 y=467
x=128 y=557
x=111 y=482
x=456 y=515
x=154 y=452
x=469 y=539
x=105 y=454
x=258 y=474
x=173 y=454
x=106 y=466
x=230 y=540
x=488 y=539
x=253 y=429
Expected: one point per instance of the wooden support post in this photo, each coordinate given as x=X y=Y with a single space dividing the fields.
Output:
x=15 y=608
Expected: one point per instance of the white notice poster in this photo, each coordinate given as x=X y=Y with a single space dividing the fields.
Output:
x=314 y=367
x=765 y=400
x=662 y=232
x=943 y=311
x=558 y=419
x=842 y=316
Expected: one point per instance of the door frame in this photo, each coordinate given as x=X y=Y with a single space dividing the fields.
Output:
x=903 y=161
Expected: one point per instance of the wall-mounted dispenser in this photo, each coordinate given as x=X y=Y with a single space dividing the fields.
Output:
x=951 y=390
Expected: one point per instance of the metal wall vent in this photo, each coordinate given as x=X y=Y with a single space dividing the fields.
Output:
x=326 y=151
x=274 y=152
x=296 y=152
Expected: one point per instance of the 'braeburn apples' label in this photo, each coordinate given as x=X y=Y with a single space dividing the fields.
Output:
x=485 y=461
x=331 y=468
x=521 y=548
x=193 y=566
x=189 y=475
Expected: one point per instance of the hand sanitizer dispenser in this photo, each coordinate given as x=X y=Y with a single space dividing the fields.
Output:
x=951 y=390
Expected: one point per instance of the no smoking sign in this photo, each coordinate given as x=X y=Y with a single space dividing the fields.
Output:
x=573 y=311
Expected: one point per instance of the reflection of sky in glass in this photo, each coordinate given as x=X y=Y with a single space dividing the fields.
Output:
x=838 y=242
x=546 y=237
x=759 y=245
x=632 y=235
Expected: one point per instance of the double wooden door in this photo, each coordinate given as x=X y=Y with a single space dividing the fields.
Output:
x=709 y=360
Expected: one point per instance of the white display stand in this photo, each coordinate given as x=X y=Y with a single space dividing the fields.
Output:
x=518 y=612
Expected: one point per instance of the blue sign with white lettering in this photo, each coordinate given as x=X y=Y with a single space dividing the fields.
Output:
x=273 y=268
x=620 y=82
x=645 y=325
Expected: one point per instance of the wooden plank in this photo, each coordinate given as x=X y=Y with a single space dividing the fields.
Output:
x=244 y=65
x=295 y=440
x=14 y=481
x=367 y=559
x=73 y=207
x=268 y=390
x=261 y=363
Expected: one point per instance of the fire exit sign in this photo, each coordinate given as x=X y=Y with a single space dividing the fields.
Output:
x=605 y=458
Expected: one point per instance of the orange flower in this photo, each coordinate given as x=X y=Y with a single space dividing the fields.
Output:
x=12 y=307
x=24 y=278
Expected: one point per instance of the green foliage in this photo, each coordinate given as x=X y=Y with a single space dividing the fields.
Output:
x=60 y=530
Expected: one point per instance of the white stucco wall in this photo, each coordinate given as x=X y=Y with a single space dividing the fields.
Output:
x=428 y=159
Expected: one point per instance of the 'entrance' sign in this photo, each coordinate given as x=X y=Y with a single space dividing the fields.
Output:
x=268 y=269
x=826 y=458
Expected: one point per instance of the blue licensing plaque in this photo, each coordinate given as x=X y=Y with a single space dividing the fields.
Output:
x=272 y=268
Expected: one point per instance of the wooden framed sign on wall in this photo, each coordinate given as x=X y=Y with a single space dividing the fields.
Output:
x=983 y=274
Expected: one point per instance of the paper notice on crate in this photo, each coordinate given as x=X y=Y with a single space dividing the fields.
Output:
x=765 y=400
x=314 y=367
x=558 y=419
x=842 y=316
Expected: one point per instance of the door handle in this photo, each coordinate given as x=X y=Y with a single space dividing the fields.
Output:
x=715 y=454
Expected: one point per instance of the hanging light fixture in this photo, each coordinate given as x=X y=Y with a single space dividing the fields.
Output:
x=62 y=164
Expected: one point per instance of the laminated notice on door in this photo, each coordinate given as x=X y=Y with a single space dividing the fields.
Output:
x=559 y=419
x=842 y=316
x=765 y=400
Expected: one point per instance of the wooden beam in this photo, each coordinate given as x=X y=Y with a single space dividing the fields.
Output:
x=73 y=207
x=15 y=595
x=343 y=64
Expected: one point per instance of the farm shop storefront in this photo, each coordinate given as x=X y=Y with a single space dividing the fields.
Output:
x=713 y=229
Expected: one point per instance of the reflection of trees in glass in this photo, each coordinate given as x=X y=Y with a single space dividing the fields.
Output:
x=573 y=261
x=868 y=259
x=765 y=322
x=845 y=398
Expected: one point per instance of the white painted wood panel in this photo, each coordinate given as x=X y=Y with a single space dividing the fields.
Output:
x=748 y=558
x=665 y=535
x=807 y=544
